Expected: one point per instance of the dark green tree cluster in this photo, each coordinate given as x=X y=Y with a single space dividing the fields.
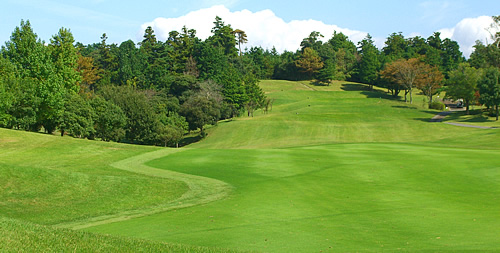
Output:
x=149 y=93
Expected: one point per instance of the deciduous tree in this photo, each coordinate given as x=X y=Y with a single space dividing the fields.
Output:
x=405 y=73
x=489 y=88
x=462 y=84
x=429 y=80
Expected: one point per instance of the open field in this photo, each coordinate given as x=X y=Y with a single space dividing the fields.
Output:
x=330 y=168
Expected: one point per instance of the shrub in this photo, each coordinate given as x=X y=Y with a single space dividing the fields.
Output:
x=437 y=105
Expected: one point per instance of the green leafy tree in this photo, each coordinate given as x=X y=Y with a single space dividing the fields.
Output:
x=223 y=37
x=181 y=47
x=7 y=77
x=65 y=58
x=485 y=56
x=173 y=131
x=345 y=55
x=286 y=68
x=35 y=68
x=132 y=63
x=462 y=84
x=106 y=60
x=489 y=88
x=25 y=106
x=396 y=47
x=110 y=120
x=451 y=56
x=479 y=57
x=313 y=41
x=142 y=122
x=156 y=73
x=214 y=65
x=256 y=96
x=77 y=117
x=369 y=64
x=200 y=111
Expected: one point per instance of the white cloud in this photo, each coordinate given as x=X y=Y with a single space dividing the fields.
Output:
x=468 y=31
x=263 y=28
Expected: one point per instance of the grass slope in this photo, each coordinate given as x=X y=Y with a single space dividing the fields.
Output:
x=330 y=168
x=352 y=172
x=49 y=180
x=303 y=117
x=21 y=236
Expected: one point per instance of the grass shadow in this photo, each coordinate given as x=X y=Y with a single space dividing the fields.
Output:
x=474 y=116
x=354 y=87
x=317 y=83
x=404 y=107
x=190 y=139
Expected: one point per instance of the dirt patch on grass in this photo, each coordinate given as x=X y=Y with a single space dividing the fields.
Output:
x=8 y=140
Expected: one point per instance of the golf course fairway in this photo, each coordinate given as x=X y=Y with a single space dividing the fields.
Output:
x=329 y=169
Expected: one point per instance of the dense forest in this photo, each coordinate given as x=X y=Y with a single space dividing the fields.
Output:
x=154 y=92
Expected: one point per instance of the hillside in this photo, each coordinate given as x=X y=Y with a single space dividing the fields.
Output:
x=336 y=168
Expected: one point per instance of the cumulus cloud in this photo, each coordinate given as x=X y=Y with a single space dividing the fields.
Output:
x=468 y=31
x=263 y=28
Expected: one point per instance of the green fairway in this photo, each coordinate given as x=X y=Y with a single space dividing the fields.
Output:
x=330 y=168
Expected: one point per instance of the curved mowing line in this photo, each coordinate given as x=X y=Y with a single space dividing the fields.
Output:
x=201 y=190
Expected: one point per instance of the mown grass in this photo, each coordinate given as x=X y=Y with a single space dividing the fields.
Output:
x=343 y=197
x=354 y=171
x=331 y=168
x=49 y=180
x=341 y=113
x=21 y=236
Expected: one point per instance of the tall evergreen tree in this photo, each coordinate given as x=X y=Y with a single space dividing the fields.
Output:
x=223 y=37
x=369 y=64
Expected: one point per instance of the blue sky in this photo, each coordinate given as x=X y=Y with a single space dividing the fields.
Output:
x=123 y=20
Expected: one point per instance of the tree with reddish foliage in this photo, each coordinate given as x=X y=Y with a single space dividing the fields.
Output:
x=404 y=73
x=430 y=80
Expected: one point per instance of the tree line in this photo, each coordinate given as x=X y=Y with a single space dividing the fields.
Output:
x=154 y=91
x=149 y=93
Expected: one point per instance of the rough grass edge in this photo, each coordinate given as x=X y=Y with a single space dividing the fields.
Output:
x=202 y=190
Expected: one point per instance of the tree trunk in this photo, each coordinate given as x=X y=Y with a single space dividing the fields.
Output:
x=497 y=112
x=467 y=107
x=411 y=96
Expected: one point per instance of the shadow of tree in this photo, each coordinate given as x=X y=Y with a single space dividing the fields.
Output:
x=317 y=83
x=405 y=107
x=354 y=87
x=475 y=116
x=190 y=140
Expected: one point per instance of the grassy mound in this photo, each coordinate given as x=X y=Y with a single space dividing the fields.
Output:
x=49 y=180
